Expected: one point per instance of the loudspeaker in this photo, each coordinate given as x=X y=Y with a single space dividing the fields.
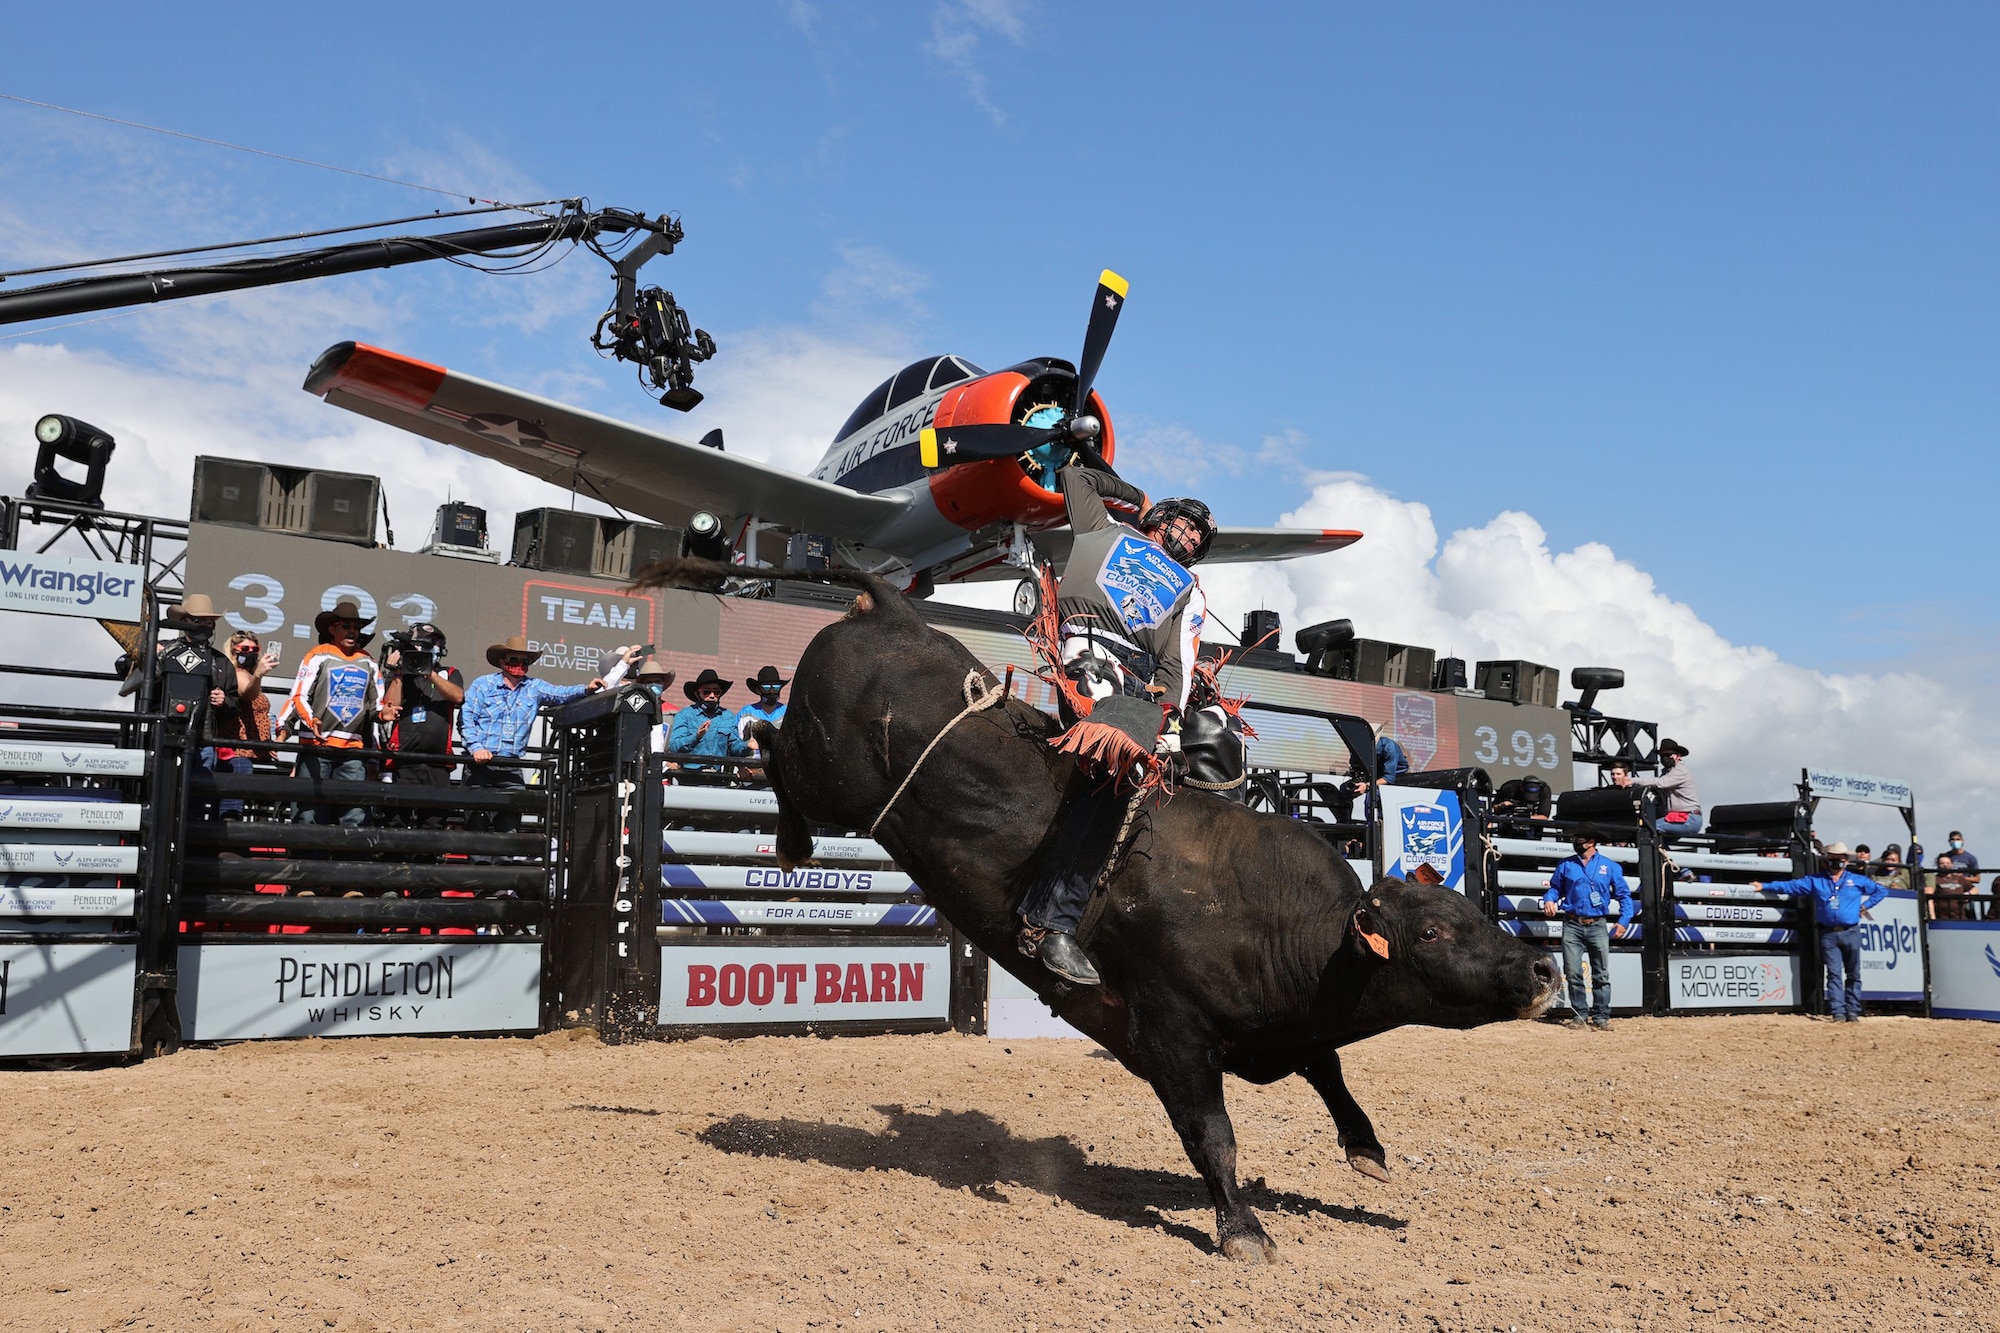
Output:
x=561 y=541
x=339 y=506
x=342 y=505
x=629 y=546
x=1448 y=674
x=1261 y=630
x=1518 y=682
x=1375 y=662
x=229 y=490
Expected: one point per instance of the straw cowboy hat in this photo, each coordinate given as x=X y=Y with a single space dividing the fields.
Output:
x=195 y=604
x=1835 y=849
x=766 y=676
x=707 y=677
x=653 y=668
x=517 y=644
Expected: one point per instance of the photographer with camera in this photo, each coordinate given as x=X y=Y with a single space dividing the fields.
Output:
x=422 y=697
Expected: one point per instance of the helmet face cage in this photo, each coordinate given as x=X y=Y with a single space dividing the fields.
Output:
x=1180 y=507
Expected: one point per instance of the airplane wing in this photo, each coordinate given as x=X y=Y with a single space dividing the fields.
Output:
x=1236 y=546
x=1232 y=546
x=638 y=470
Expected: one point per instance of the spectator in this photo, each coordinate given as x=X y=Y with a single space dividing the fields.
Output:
x=193 y=653
x=1582 y=888
x=1390 y=765
x=769 y=685
x=1675 y=781
x=1891 y=872
x=496 y=720
x=1841 y=900
x=655 y=676
x=707 y=728
x=422 y=695
x=335 y=700
x=1958 y=875
x=251 y=721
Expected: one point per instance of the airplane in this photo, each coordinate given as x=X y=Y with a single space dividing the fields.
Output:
x=945 y=473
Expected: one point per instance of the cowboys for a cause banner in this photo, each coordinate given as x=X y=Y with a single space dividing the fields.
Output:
x=54 y=585
x=66 y=999
x=880 y=982
x=265 y=989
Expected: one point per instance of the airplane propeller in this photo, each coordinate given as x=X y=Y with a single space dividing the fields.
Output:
x=998 y=439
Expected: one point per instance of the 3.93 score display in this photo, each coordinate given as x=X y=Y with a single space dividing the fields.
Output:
x=1525 y=749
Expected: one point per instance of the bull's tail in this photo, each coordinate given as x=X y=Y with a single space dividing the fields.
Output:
x=795 y=842
x=877 y=594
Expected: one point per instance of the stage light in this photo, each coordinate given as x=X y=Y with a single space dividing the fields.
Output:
x=705 y=538
x=1590 y=680
x=1318 y=642
x=61 y=437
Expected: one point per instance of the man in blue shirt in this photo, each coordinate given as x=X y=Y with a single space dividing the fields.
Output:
x=767 y=706
x=1582 y=889
x=494 y=722
x=707 y=728
x=1841 y=900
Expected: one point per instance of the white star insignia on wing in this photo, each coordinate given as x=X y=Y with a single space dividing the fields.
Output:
x=1110 y=301
x=949 y=446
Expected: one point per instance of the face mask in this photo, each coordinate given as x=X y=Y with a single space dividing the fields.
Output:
x=1958 y=844
x=769 y=696
x=654 y=688
x=247 y=656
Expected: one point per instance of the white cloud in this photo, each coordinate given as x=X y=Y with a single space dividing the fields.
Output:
x=1751 y=719
x=781 y=394
x=959 y=29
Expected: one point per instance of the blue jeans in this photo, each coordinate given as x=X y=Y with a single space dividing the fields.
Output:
x=238 y=763
x=1596 y=937
x=317 y=763
x=1840 y=950
x=1692 y=826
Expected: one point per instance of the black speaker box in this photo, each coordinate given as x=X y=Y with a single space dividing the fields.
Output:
x=560 y=541
x=1519 y=682
x=629 y=546
x=1375 y=662
x=1261 y=630
x=229 y=490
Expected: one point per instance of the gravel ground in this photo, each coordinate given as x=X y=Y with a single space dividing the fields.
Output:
x=1673 y=1173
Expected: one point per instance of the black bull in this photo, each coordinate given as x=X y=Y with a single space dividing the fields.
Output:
x=1229 y=941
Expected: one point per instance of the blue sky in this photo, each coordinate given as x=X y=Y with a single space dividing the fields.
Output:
x=1711 y=285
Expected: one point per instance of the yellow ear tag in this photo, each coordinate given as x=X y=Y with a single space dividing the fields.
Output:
x=927 y=448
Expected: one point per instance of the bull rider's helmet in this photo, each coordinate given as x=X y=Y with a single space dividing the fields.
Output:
x=1182 y=507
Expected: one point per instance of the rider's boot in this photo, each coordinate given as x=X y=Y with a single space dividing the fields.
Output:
x=1062 y=955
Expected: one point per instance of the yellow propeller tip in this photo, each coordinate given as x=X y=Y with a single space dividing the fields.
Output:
x=1114 y=282
x=927 y=447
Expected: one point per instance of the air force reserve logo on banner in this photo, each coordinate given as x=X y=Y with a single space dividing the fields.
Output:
x=1432 y=836
x=1142 y=582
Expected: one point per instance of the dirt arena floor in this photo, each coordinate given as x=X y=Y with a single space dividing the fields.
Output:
x=1670 y=1174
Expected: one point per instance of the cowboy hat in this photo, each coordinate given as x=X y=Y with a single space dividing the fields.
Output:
x=1835 y=849
x=766 y=676
x=517 y=644
x=194 y=604
x=1673 y=747
x=653 y=666
x=345 y=609
x=707 y=677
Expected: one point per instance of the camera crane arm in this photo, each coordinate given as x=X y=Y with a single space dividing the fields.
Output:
x=646 y=326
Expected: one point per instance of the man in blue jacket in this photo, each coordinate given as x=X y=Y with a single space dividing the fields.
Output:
x=1841 y=900
x=707 y=728
x=1582 y=889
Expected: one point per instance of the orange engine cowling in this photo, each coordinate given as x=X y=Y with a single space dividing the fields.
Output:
x=999 y=490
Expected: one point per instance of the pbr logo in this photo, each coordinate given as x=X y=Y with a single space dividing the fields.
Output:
x=1431 y=838
x=1415 y=728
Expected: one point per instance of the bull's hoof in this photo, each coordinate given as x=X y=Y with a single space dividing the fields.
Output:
x=1370 y=1163
x=1250 y=1248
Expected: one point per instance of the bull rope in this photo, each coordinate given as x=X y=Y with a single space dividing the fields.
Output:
x=979 y=696
x=1122 y=843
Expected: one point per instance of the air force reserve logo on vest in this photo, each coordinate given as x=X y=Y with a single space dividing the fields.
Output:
x=1142 y=581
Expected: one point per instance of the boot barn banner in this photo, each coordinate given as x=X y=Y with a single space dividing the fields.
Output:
x=874 y=982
